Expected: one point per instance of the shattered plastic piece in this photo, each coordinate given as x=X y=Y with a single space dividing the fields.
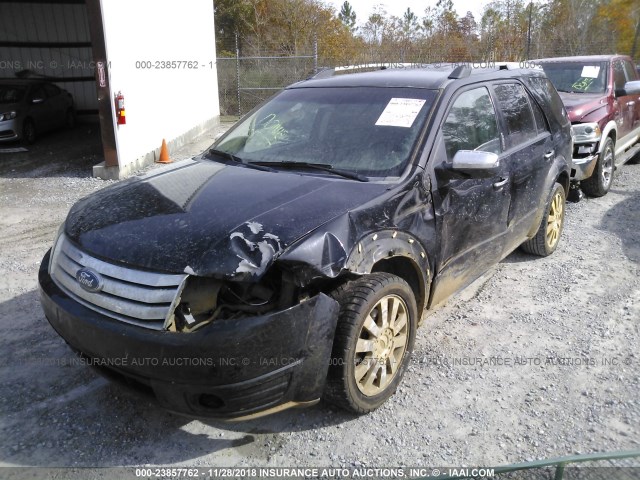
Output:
x=256 y=251
x=255 y=227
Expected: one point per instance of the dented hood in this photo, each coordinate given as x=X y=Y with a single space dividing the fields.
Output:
x=210 y=219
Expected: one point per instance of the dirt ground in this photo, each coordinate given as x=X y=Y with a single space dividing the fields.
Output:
x=538 y=359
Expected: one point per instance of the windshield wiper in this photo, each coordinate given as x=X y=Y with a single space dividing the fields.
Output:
x=325 y=167
x=235 y=159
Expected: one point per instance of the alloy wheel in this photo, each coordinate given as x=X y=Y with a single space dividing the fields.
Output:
x=554 y=220
x=607 y=167
x=381 y=345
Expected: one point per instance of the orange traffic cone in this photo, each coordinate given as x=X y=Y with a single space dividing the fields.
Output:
x=164 y=153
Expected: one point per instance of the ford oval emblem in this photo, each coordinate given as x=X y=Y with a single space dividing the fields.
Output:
x=89 y=280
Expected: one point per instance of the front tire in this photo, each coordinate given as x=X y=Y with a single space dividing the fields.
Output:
x=70 y=119
x=373 y=342
x=29 y=134
x=598 y=184
x=546 y=240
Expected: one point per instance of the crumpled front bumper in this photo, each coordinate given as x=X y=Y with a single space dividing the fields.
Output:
x=582 y=168
x=228 y=369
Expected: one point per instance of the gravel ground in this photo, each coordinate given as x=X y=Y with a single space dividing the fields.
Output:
x=537 y=359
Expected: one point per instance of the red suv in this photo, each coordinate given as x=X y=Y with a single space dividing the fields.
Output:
x=602 y=97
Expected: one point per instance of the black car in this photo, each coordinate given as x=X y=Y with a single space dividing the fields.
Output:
x=294 y=259
x=29 y=108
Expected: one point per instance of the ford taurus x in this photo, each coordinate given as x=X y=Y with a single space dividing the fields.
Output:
x=294 y=259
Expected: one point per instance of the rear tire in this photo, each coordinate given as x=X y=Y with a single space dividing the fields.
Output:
x=598 y=184
x=546 y=240
x=373 y=342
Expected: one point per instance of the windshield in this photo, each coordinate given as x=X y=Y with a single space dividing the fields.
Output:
x=11 y=94
x=369 y=131
x=577 y=77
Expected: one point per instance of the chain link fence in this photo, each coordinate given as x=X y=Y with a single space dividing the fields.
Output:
x=248 y=75
x=245 y=81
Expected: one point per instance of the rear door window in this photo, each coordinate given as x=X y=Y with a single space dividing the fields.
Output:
x=517 y=113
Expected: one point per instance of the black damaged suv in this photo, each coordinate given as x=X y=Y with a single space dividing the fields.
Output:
x=294 y=259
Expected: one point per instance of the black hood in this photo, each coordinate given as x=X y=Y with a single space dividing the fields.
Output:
x=206 y=218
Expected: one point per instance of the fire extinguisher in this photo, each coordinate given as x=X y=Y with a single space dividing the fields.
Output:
x=121 y=116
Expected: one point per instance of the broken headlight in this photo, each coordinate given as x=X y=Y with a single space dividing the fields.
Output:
x=205 y=300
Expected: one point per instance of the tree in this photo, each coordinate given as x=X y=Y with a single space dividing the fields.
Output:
x=348 y=16
x=409 y=25
x=622 y=19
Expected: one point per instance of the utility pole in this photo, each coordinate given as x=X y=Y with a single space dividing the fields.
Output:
x=529 y=32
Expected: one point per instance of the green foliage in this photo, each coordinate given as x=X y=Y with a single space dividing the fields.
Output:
x=509 y=30
x=348 y=16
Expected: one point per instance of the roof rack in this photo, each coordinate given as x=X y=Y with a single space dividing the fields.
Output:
x=461 y=71
x=323 y=73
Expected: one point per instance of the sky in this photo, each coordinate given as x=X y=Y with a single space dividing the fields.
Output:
x=364 y=8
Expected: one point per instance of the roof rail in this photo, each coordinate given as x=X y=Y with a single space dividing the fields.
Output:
x=517 y=65
x=323 y=73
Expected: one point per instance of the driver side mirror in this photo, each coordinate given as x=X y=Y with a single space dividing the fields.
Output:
x=475 y=161
x=630 y=88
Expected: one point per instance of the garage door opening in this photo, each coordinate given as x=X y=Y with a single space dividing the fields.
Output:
x=48 y=48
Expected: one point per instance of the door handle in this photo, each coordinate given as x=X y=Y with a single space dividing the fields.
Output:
x=501 y=183
x=549 y=154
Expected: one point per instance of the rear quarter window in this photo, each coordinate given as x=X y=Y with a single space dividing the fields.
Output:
x=547 y=97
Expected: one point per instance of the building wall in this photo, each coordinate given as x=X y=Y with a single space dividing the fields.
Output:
x=49 y=39
x=170 y=103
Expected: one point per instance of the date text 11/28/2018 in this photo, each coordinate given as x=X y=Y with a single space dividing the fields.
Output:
x=309 y=472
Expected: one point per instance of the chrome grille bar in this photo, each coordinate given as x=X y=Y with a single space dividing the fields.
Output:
x=133 y=296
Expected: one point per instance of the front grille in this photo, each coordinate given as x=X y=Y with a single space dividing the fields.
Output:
x=132 y=296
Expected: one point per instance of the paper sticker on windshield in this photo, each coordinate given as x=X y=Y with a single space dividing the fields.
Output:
x=400 y=112
x=590 y=71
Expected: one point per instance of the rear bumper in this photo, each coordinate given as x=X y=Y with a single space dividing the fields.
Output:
x=228 y=369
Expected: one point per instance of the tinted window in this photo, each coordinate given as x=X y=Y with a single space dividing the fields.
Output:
x=371 y=131
x=471 y=124
x=541 y=122
x=544 y=91
x=513 y=102
x=11 y=94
